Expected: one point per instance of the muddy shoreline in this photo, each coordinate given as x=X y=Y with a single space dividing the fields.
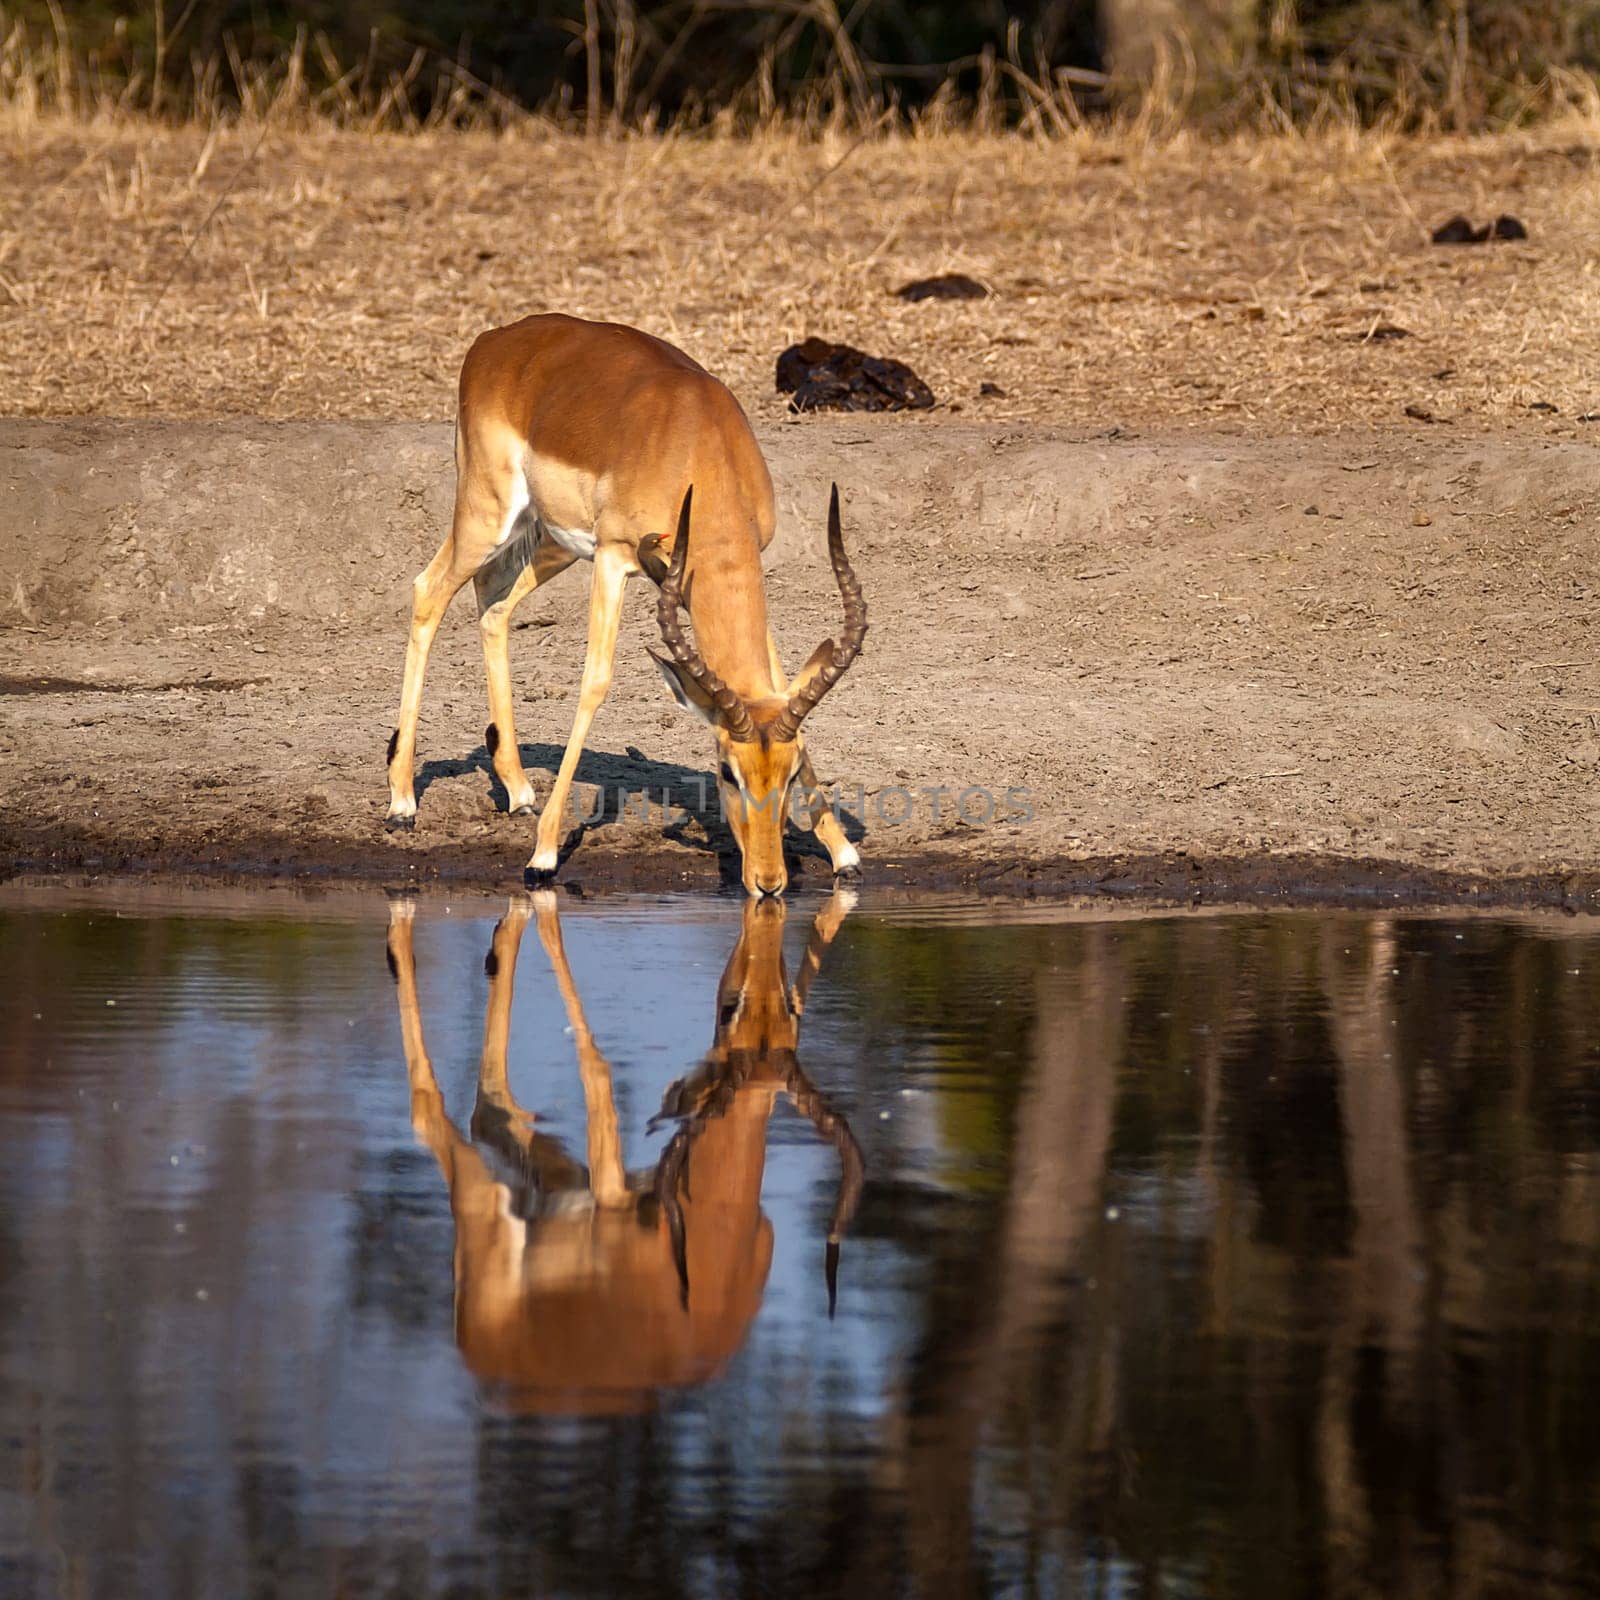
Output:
x=1160 y=880
x=1356 y=669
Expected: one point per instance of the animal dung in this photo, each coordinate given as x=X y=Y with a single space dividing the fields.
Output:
x=1458 y=230
x=946 y=286
x=837 y=377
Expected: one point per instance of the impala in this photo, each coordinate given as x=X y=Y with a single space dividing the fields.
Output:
x=586 y=440
x=590 y=1288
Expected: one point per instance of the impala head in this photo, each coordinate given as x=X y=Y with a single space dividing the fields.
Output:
x=758 y=1030
x=759 y=745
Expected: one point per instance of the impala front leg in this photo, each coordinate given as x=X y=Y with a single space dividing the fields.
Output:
x=498 y=1121
x=605 y=611
x=822 y=822
x=819 y=814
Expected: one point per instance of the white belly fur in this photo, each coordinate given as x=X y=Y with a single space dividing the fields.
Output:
x=516 y=548
x=576 y=541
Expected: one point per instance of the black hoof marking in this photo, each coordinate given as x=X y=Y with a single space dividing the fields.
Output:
x=491 y=739
x=522 y=811
x=399 y=824
x=394 y=743
x=538 y=877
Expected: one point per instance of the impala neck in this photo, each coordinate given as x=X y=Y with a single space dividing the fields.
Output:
x=728 y=605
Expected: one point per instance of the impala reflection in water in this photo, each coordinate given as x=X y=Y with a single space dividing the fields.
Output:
x=587 y=1288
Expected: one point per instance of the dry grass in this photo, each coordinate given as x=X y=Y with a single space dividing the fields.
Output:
x=1138 y=277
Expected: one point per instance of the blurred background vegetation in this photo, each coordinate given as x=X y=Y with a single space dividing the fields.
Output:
x=608 y=65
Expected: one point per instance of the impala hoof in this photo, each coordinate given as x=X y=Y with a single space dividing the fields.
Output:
x=399 y=824
x=522 y=811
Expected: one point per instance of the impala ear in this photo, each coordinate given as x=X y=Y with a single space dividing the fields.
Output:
x=685 y=690
x=820 y=657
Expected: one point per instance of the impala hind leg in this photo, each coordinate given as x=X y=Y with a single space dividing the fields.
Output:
x=605 y=611
x=435 y=587
x=494 y=623
x=428 y=1118
x=474 y=1192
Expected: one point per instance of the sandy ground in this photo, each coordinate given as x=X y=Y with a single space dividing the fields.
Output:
x=1200 y=665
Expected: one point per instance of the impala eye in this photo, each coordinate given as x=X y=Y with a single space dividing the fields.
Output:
x=728 y=775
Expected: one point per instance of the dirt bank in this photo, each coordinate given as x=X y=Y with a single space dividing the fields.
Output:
x=1356 y=665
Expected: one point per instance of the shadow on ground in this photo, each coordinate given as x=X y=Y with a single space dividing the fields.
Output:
x=681 y=801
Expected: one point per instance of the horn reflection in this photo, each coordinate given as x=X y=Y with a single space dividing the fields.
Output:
x=582 y=1287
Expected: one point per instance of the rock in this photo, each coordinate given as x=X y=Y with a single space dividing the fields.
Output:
x=838 y=377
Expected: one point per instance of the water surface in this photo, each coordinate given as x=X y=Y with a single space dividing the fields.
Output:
x=463 y=1249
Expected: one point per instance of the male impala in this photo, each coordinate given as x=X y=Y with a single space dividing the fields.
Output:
x=584 y=440
x=590 y=1290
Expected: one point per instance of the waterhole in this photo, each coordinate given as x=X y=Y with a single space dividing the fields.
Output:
x=556 y=1247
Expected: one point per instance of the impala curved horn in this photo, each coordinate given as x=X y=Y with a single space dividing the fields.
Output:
x=722 y=1084
x=841 y=651
x=733 y=713
x=852 y=1169
x=669 y=1174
